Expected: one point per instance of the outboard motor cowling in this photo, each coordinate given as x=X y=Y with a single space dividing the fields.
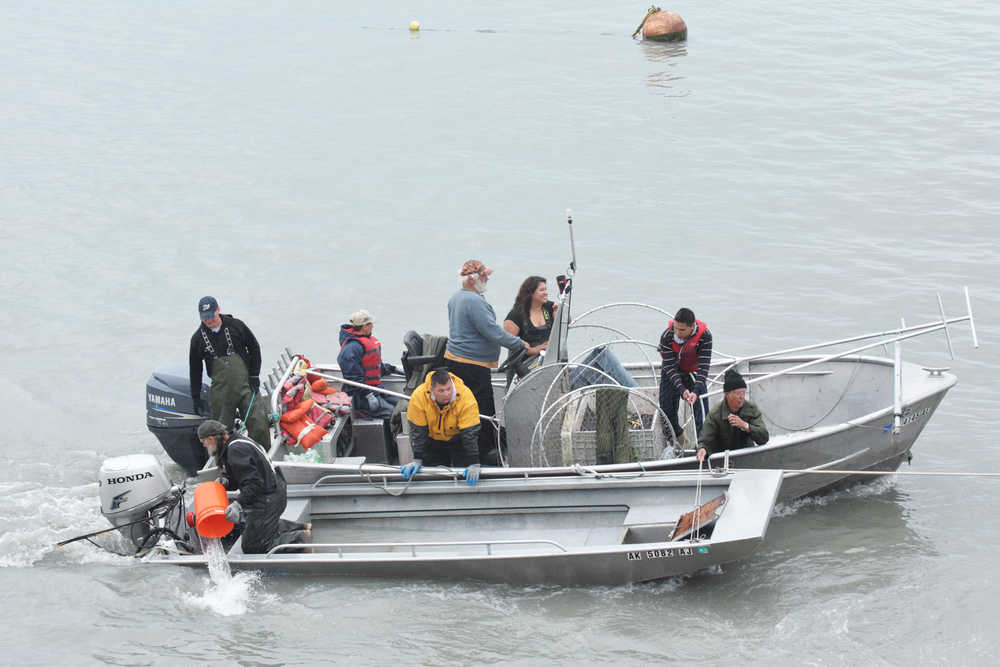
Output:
x=172 y=416
x=132 y=487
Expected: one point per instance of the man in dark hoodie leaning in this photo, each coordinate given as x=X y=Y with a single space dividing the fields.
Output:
x=231 y=355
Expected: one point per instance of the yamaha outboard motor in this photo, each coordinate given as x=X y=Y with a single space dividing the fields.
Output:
x=136 y=495
x=172 y=416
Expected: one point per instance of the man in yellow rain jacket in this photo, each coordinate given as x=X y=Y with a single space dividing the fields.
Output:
x=444 y=426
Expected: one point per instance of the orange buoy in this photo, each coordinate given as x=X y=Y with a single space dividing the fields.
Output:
x=664 y=26
x=210 y=504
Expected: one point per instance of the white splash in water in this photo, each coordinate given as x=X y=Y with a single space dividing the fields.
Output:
x=227 y=594
x=228 y=597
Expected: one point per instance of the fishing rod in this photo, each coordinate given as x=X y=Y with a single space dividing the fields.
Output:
x=101 y=532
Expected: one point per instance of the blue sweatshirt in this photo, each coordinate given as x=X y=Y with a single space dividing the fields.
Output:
x=473 y=332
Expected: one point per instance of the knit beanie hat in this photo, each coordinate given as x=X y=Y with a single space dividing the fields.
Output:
x=733 y=380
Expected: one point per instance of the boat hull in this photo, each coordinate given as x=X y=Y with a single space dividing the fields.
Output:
x=563 y=531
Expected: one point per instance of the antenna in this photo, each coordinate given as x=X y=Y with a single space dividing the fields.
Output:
x=572 y=242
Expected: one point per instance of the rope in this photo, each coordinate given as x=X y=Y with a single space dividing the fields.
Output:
x=651 y=11
x=697 y=505
x=840 y=398
x=246 y=417
x=384 y=486
x=888 y=472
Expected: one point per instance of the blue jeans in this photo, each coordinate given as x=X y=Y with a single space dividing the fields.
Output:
x=603 y=359
x=377 y=406
x=669 y=397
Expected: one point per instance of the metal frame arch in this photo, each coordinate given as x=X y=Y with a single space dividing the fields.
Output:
x=633 y=341
x=617 y=304
x=573 y=394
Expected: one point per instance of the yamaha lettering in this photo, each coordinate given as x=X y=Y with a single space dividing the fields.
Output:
x=129 y=478
x=156 y=399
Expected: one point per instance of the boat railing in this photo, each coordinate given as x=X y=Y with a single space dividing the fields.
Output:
x=901 y=332
x=339 y=547
x=392 y=472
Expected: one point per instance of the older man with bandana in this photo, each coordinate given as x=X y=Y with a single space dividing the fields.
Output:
x=474 y=341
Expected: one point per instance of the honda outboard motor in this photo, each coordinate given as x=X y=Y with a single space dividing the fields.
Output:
x=172 y=416
x=134 y=488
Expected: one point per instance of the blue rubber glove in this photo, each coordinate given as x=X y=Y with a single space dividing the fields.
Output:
x=411 y=468
x=471 y=474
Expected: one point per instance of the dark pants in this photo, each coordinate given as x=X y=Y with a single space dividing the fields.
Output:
x=477 y=379
x=669 y=397
x=264 y=528
x=613 y=440
x=447 y=453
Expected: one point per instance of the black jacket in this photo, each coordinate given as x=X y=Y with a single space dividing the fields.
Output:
x=244 y=344
x=245 y=467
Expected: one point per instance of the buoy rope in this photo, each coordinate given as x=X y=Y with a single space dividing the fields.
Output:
x=912 y=473
x=652 y=10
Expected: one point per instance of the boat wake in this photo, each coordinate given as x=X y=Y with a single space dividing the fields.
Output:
x=33 y=517
x=875 y=487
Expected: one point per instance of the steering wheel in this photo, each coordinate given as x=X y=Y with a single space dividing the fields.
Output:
x=513 y=360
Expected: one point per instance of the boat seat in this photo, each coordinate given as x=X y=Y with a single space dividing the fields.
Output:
x=370 y=439
x=649 y=523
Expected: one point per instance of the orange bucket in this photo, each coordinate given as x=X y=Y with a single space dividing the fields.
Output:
x=210 y=504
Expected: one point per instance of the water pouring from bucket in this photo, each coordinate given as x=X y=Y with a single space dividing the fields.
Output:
x=226 y=595
x=210 y=504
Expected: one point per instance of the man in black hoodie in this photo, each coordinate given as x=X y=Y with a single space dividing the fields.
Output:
x=244 y=467
x=231 y=356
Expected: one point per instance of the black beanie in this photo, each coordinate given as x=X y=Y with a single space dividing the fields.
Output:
x=733 y=381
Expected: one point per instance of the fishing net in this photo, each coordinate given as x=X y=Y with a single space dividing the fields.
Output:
x=599 y=423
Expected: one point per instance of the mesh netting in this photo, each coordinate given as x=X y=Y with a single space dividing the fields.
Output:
x=597 y=424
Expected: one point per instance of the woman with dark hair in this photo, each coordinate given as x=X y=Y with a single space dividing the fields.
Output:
x=531 y=316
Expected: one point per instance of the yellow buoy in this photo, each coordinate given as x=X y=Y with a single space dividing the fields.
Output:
x=414 y=25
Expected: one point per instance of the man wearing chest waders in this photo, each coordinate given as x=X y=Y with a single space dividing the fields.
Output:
x=232 y=359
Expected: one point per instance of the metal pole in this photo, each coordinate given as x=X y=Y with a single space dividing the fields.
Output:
x=922 y=328
x=831 y=357
x=380 y=390
x=944 y=320
x=897 y=385
x=572 y=242
x=972 y=323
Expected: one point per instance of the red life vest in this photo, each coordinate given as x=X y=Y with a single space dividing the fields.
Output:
x=371 y=362
x=687 y=354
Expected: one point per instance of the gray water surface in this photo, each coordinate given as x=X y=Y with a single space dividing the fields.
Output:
x=794 y=172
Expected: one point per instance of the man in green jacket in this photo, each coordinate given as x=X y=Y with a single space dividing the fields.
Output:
x=734 y=422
